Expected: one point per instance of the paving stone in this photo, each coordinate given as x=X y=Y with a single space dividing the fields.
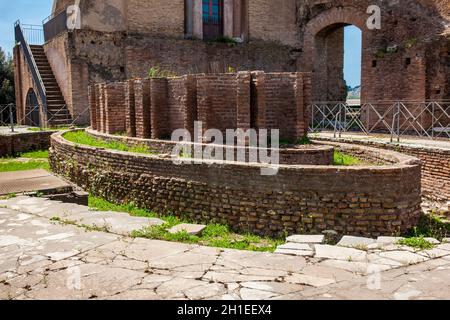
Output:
x=274 y=287
x=252 y=294
x=354 y=242
x=340 y=253
x=389 y=240
x=294 y=252
x=446 y=240
x=356 y=267
x=193 y=229
x=309 y=280
x=295 y=246
x=315 y=239
x=404 y=257
x=433 y=240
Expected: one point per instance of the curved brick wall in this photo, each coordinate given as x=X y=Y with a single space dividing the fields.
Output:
x=370 y=201
x=435 y=166
x=308 y=154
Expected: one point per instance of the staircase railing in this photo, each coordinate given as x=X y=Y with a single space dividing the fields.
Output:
x=28 y=54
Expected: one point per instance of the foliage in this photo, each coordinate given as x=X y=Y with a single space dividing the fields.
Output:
x=341 y=159
x=417 y=243
x=6 y=79
x=83 y=138
x=157 y=72
x=431 y=226
x=215 y=235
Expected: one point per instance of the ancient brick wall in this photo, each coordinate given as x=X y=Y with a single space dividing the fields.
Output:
x=369 y=201
x=114 y=107
x=220 y=101
x=298 y=155
x=14 y=144
x=435 y=167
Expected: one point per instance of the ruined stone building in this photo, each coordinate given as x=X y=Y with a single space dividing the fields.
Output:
x=407 y=58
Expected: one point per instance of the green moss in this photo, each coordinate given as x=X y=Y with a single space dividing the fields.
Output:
x=341 y=159
x=83 y=138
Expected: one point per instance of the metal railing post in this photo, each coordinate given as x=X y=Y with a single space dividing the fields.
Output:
x=11 y=117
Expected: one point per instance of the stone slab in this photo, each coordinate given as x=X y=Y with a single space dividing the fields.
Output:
x=389 y=240
x=353 y=242
x=340 y=253
x=432 y=240
x=31 y=181
x=295 y=246
x=193 y=229
x=314 y=239
x=293 y=252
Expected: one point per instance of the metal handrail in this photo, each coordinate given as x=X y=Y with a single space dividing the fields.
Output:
x=20 y=40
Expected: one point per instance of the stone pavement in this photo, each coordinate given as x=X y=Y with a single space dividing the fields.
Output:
x=44 y=259
x=31 y=181
x=408 y=141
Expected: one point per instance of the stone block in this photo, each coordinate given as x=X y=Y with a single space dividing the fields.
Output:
x=193 y=229
x=306 y=239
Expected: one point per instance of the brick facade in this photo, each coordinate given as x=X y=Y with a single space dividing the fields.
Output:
x=220 y=101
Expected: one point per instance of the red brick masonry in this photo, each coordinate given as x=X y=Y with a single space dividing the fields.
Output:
x=435 y=168
x=154 y=108
x=368 y=200
x=23 y=142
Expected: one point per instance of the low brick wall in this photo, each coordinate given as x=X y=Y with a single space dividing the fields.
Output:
x=369 y=201
x=23 y=142
x=300 y=155
x=435 y=166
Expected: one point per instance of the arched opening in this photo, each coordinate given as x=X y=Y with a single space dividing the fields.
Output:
x=32 y=113
x=337 y=62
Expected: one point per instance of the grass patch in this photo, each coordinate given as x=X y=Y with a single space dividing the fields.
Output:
x=10 y=166
x=43 y=154
x=82 y=138
x=417 y=243
x=215 y=235
x=341 y=159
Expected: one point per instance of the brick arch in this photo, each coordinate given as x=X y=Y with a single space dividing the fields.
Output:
x=324 y=34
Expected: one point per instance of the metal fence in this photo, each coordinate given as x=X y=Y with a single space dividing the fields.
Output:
x=34 y=35
x=32 y=117
x=428 y=119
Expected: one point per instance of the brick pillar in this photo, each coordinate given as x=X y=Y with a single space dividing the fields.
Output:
x=300 y=127
x=93 y=106
x=258 y=100
x=102 y=113
x=307 y=97
x=115 y=107
x=159 y=113
x=142 y=108
x=243 y=80
x=130 y=115
x=203 y=101
x=191 y=114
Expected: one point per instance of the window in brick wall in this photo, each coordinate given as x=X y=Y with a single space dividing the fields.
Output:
x=212 y=13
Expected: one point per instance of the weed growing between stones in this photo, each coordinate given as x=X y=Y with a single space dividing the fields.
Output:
x=341 y=159
x=431 y=226
x=215 y=235
x=417 y=243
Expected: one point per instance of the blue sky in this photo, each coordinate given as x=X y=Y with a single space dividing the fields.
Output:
x=34 y=11
x=28 y=11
